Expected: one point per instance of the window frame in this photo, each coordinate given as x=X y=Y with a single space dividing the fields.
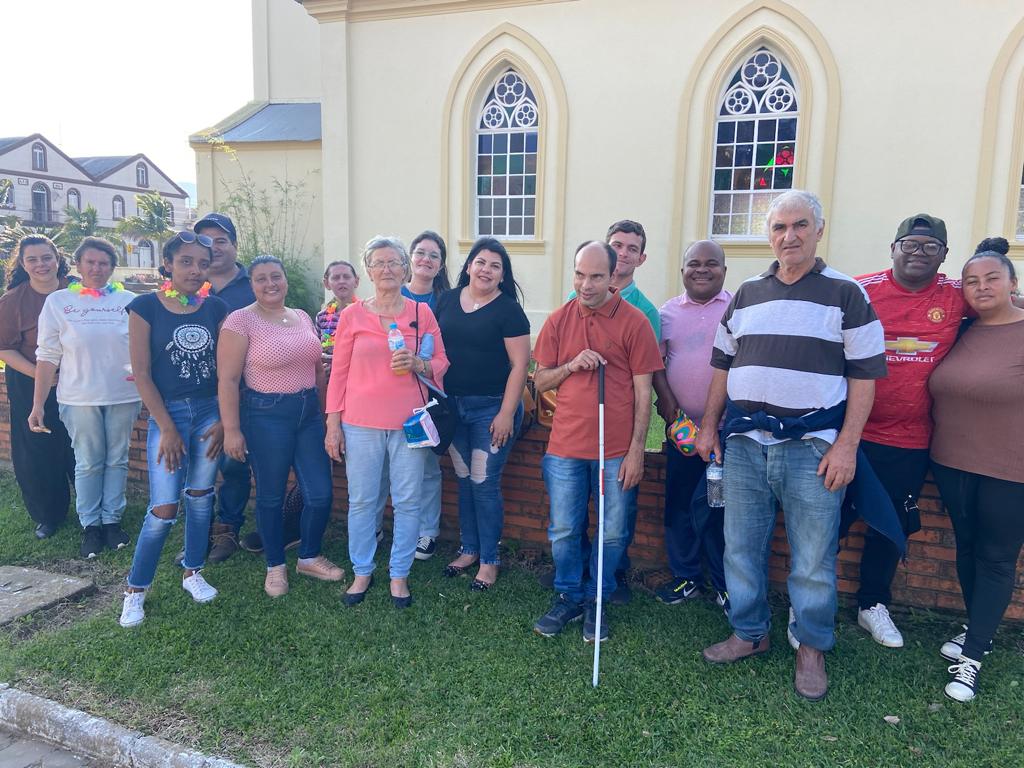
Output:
x=39 y=165
x=742 y=82
x=514 y=120
x=9 y=187
x=47 y=217
x=141 y=175
x=113 y=206
x=78 y=196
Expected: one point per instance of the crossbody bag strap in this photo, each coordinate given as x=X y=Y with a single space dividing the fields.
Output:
x=416 y=323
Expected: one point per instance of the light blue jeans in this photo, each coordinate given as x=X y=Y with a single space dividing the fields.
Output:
x=192 y=418
x=366 y=451
x=757 y=478
x=571 y=483
x=100 y=436
x=430 y=498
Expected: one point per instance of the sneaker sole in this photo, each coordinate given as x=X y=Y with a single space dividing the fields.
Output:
x=678 y=600
x=590 y=640
x=202 y=601
x=424 y=555
x=132 y=623
x=958 y=701
x=557 y=633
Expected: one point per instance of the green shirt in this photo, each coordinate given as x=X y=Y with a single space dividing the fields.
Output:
x=635 y=296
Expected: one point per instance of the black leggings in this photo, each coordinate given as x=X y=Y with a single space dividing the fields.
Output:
x=988 y=520
x=44 y=464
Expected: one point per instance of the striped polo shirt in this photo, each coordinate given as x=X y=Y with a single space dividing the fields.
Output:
x=789 y=349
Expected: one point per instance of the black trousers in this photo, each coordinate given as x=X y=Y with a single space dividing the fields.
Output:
x=988 y=520
x=44 y=464
x=901 y=472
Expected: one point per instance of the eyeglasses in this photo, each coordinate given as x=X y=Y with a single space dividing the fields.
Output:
x=391 y=266
x=186 y=236
x=419 y=253
x=910 y=247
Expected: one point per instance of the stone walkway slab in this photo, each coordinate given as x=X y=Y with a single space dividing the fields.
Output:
x=25 y=590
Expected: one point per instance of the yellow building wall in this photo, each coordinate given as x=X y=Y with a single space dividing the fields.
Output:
x=905 y=107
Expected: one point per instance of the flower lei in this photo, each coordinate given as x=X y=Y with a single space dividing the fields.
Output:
x=81 y=290
x=327 y=336
x=168 y=290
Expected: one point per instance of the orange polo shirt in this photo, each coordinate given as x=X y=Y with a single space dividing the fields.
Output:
x=622 y=335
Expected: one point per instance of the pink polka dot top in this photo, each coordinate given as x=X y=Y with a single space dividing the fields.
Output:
x=281 y=358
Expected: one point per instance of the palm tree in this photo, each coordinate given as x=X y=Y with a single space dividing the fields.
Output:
x=152 y=221
x=79 y=225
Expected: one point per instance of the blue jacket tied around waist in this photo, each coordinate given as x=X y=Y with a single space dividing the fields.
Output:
x=869 y=498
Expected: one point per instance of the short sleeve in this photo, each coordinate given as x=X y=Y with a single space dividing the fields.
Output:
x=644 y=356
x=546 y=350
x=514 y=321
x=143 y=306
x=239 y=322
x=10 y=321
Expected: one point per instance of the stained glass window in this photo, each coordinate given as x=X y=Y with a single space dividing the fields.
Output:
x=506 y=159
x=755 y=145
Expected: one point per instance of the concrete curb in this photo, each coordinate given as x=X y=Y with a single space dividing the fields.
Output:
x=95 y=737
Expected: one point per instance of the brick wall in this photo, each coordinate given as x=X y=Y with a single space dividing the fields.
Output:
x=928 y=579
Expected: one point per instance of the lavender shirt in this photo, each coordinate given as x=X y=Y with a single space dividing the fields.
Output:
x=687 y=334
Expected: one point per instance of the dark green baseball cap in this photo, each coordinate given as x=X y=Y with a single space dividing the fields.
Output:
x=922 y=224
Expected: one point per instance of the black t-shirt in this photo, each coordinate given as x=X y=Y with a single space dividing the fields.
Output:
x=182 y=348
x=475 y=343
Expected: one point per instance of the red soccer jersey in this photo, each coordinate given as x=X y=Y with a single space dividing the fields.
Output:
x=920 y=329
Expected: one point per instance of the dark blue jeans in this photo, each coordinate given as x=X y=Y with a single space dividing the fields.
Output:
x=478 y=466
x=233 y=494
x=682 y=543
x=283 y=431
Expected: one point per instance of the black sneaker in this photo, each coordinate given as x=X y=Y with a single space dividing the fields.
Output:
x=954 y=647
x=590 y=623
x=92 y=541
x=722 y=600
x=114 y=536
x=45 y=530
x=425 y=547
x=563 y=611
x=679 y=591
x=964 y=685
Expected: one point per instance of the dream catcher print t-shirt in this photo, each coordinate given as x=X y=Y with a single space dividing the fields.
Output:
x=182 y=348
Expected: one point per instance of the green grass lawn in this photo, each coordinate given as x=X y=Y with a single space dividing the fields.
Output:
x=460 y=679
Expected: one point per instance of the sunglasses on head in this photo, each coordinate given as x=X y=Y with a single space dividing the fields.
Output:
x=186 y=236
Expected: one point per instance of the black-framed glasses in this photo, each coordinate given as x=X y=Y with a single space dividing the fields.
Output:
x=931 y=248
x=186 y=236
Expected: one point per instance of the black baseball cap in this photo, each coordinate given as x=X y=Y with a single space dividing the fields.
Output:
x=220 y=221
x=922 y=224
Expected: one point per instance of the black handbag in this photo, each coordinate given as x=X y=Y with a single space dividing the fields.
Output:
x=442 y=411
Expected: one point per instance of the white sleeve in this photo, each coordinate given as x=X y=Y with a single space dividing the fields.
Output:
x=49 y=348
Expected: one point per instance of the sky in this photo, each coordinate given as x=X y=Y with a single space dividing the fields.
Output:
x=117 y=77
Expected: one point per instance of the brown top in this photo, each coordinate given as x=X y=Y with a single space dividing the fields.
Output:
x=978 y=392
x=19 y=318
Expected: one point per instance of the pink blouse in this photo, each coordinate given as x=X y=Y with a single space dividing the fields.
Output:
x=363 y=389
x=281 y=358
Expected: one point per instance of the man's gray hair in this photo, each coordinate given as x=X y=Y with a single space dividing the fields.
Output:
x=798 y=197
x=377 y=242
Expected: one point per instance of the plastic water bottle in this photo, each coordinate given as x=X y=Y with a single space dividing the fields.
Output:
x=716 y=484
x=395 y=341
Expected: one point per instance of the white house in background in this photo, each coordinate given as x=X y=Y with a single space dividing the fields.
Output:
x=38 y=181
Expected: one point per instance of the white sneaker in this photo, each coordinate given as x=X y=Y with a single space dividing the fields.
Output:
x=878 y=622
x=132 y=612
x=954 y=647
x=196 y=586
x=964 y=684
x=793 y=642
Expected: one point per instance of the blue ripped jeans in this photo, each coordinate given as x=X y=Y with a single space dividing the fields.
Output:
x=478 y=466
x=192 y=418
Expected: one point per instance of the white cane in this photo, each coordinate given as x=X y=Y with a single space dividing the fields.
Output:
x=600 y=519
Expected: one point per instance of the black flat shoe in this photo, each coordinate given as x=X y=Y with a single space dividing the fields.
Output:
x=402 y=602
x=451 y=571
x=355 y=598
x=479 y=585
x=45 y=531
